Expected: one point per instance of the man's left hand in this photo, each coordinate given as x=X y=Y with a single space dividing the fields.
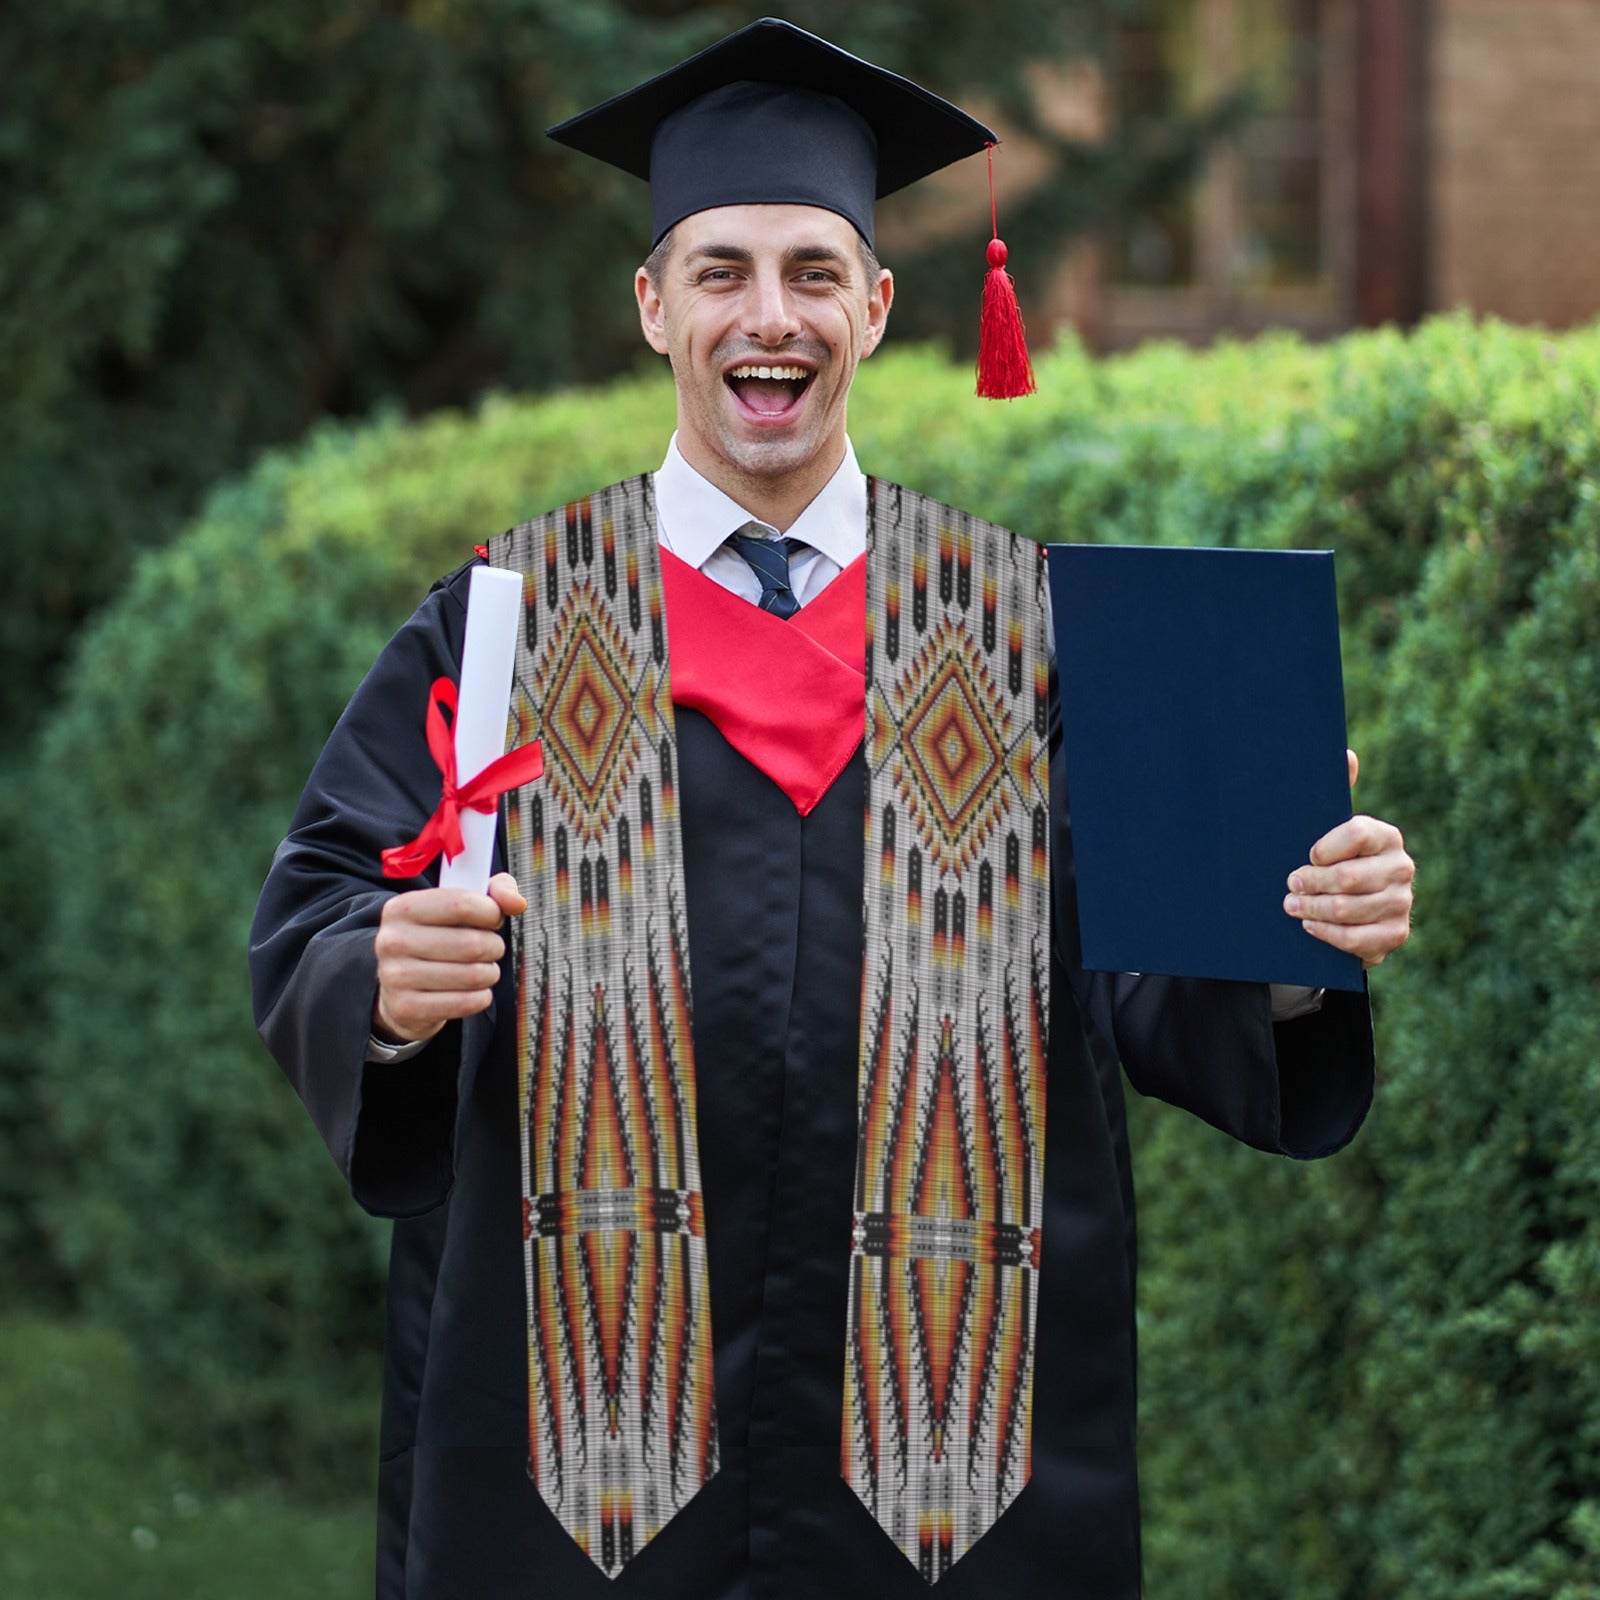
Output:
x=1355 y=893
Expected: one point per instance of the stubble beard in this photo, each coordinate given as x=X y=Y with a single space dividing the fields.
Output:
x=764 y=459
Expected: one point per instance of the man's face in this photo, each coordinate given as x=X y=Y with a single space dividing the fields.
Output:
x=764 y=311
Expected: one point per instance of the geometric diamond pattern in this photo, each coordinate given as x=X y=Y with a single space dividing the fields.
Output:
x=586 y=688
x=952 y=747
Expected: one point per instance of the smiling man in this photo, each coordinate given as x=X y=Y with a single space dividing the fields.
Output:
x=740 y=1250
x=726 y=291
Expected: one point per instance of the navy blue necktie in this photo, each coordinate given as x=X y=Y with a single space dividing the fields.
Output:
x=769 y=560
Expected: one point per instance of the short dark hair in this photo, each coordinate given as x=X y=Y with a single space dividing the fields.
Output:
x=656 y=262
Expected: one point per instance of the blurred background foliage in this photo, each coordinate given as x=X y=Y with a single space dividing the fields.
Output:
x=258 y=266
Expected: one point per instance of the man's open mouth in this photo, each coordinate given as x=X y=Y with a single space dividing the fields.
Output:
x=768 y=390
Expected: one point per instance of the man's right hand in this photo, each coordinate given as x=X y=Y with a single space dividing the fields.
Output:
x=439 y=957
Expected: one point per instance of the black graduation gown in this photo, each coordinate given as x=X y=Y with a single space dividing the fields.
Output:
x=775 y=937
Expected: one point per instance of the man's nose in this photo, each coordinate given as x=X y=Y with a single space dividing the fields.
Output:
x=772 y=319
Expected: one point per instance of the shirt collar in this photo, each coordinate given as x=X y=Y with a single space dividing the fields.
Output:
x=696 y=517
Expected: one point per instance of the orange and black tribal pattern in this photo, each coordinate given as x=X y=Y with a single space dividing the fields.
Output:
x=622 y=1413
x=938 y=1379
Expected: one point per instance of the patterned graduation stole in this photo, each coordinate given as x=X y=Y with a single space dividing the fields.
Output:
x=938 y=1391
x=939 y=1347
x=621 y=1407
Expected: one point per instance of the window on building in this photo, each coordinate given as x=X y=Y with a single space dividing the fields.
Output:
x=1264 y=235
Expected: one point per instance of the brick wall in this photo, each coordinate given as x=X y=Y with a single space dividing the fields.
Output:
x=1515 y=158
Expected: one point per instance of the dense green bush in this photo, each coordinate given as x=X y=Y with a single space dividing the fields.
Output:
x=1376 y=1378
x=1371 y=1378
x=195 y=1208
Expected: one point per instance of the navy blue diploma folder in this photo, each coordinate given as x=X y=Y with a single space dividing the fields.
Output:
x=1202 y=711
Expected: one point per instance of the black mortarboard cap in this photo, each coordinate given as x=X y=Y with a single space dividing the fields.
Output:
x=774 y=115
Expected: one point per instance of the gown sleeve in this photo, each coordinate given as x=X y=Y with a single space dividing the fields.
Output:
x=1299 y=1088
x=313 y=965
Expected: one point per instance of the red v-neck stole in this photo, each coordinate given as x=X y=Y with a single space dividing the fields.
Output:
x=789 y=696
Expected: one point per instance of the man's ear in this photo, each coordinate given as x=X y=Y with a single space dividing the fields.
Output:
x=878 y=303
x=652 y=315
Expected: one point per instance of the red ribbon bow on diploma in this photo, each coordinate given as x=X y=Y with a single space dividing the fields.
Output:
x=442 y=831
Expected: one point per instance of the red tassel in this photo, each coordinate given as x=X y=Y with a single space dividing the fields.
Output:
x=1004 y=370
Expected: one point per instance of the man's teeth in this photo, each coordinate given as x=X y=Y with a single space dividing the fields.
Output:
x=795 y=374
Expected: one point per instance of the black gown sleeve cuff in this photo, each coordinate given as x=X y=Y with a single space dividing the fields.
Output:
x=1325 y=1072
x=400 y=1150
x=388 y=1126
x=1299 y=1088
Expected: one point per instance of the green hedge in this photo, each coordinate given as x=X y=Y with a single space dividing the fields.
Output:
x=193 y=1204
x=1370 y=1378
x=1378 y=1377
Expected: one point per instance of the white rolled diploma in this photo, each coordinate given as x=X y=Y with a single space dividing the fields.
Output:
x=494 y=609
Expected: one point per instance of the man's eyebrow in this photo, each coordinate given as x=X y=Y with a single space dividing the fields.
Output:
x=720 y=252
x=818 y=254
x=795 y=255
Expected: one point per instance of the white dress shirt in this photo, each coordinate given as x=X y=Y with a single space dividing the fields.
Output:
x=696 y=517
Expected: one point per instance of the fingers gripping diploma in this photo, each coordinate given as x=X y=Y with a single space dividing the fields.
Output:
x=1355 y=893
x=439 y=954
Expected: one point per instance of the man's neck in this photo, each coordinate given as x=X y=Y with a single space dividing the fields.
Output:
x=776 y=501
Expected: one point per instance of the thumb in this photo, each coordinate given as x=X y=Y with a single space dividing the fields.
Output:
x=1354 y=762
x=504 y=892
